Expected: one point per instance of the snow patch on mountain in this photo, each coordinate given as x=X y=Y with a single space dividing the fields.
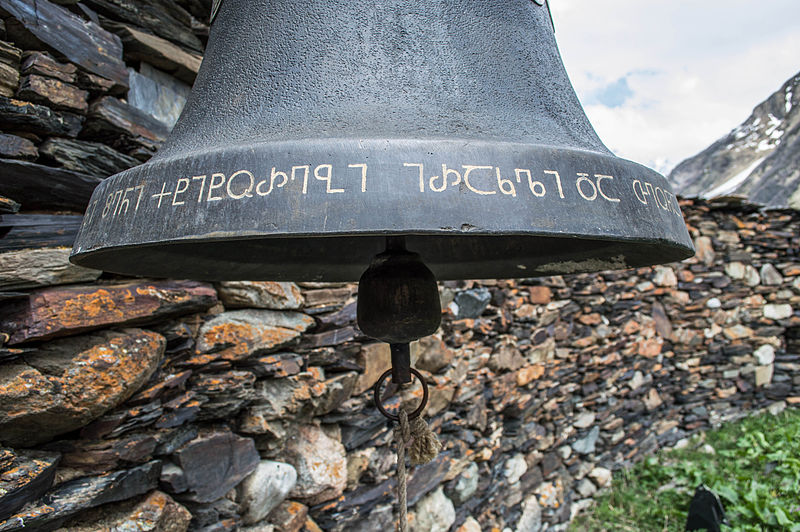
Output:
x=759 y=159
x=733 y=183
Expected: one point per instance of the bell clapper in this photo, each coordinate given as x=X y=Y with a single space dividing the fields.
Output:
x=398 y=302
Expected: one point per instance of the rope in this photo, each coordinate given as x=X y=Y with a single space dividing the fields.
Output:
x=423 y=446
x=402 y=434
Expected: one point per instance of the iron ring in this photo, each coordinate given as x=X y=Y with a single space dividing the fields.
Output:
x=394 y=417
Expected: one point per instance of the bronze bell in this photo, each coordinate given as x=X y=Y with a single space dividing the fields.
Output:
x=318 y=130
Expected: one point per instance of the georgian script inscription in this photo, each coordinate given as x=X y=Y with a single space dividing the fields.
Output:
x=328 y=179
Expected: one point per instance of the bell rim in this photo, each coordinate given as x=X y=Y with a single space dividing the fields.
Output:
x=586 y=205
x=671 y=251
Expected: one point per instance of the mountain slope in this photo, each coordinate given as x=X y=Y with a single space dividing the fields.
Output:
x=759 y=159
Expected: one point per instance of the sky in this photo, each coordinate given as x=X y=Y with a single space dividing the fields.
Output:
x=661 y=80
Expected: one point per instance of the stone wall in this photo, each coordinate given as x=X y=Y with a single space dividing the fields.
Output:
x=172 y=405
x=249 y=403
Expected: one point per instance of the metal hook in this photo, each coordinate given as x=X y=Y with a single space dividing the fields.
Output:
x=394 y=417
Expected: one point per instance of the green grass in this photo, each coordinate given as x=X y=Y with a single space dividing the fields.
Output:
x=755 y=471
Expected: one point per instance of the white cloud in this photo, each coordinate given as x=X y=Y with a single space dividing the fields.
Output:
x=695 y=69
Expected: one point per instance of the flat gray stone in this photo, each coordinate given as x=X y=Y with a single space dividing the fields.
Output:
x=765 y=355
x=586 y=444
x=260 y=294
x=29 y=268
x=214 y=463
x=770 y=275
x=434 y=513
x=470 y=304
x=466 y=485
x=584 y=421
x=778 y=311
x=320 y=462
x=265 y=489
x=531 y=520
x=157 y=94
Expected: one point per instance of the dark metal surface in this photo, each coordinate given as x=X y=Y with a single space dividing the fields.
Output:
x=316 y=129
x=401 y=363
x=398 y=298
x=376 y=390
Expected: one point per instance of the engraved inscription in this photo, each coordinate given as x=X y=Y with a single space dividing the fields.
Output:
x=647 y=194
x=478 y=180
x=485 y=180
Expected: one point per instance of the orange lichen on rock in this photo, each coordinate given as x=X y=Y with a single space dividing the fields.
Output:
x=243 y=339
x=237 y=335
x=61 y=311
x=529 y=374
x=68 y=383
x=76 y=310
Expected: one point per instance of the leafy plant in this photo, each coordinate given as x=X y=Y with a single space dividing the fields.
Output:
x=753 y=465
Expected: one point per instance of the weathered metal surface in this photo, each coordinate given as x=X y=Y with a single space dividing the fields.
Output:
x=401 y=363
x=296 y=156
x=376 y=392
x=398 y=300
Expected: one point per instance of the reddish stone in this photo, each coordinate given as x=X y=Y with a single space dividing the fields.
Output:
x=63 y=311
x=68 y=383
x=53 y=93
x=328 y=296
x=43 y=64
x=311 y=526
x=289 y=516
x=631 y=327
x=791 y=271
x=526 y=375
x=540 y=295
x=590 y=319
x=106 y=455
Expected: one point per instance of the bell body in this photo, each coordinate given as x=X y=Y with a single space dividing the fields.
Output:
x=316 y=129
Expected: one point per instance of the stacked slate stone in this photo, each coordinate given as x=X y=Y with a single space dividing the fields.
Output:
x=247 y=405
x=143 y=404
x=87 y=90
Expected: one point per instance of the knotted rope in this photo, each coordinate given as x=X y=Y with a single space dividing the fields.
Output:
x=423 y=446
